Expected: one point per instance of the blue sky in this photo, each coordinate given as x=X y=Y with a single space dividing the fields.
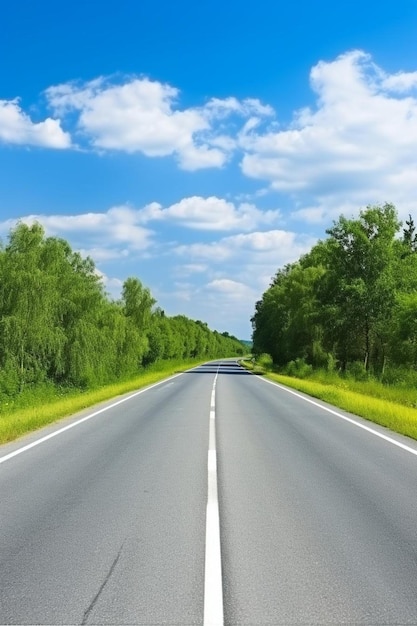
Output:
x=202 y=145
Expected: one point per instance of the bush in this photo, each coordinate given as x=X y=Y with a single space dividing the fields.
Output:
x=265 y=361
x=357 y=371
x=331 y=363
x=319 y=357
x=298 y=369
x=9 y=378
x=401 y=376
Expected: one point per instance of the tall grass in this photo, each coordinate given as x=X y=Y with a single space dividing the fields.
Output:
x=394 y=415
x=41 y=406
x=393 y=406
x=400 y=392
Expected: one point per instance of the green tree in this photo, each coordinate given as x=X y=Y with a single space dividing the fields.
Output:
x=360 y=274
x=138 y=302
x=343 y=300
x=32 y=339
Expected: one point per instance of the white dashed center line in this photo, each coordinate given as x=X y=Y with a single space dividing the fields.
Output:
x=213 y=588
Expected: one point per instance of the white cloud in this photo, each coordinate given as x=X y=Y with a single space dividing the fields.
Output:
x=212 y=213
x=357 y=146
x=234 y=298
x=17 y=128
x=273 y=247
x=231 y=289
x=122 y=230
x=137 y=116
x=401 y=82
x=113 y=286
x=225 y=302
x=238 y=270
x=193 y=157
x=218 y=108
x=103 y=254
x=188 y=269
x=119 y=228
x=141 y=115
x=312 y=215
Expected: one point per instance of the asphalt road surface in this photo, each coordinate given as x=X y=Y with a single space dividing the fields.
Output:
x=211 y=496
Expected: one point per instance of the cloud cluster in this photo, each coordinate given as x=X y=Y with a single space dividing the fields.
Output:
x=140 y=115
x=240 y=267
x=126 y=228
x=237 y=269
x=16 y=127
x=110 y=235
x=210 y=214
x=357 y=146
x=260 y=248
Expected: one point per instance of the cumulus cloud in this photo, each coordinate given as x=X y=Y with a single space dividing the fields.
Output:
x=402 y=82
x=225 y=302
x=273 y=247
x=16 y=127
x=236 y=298
x=218 y=108
x=231 y=289
x=188 y=269
x=356 y=146
x=123 y=229
x=212 y=214
x=119 y=228
x=238 y=268
x=141 y=115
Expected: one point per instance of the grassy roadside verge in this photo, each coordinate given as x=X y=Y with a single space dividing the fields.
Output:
x=18 y=421
x=393 y=415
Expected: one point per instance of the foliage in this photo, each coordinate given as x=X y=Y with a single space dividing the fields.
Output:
x=59 y=327
x=298 y=368
x=38 y=406
x=350 y=304
x=264 y=361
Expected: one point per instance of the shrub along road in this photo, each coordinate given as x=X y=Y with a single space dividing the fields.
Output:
x=105 y=522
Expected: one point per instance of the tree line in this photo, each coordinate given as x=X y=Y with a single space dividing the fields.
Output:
x=58 y=324
x=350 y=302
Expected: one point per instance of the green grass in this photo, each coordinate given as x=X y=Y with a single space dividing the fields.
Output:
x=400 y=393
x=47 y=404
x=395 y=416
x=387 y=405
x=391 y=406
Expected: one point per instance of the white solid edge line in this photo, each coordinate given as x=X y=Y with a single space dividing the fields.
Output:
x=343 y=417
x=9 y=456
x=213 y=586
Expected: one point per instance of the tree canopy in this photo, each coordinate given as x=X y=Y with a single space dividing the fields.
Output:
x=352 y=298
x=57 y=323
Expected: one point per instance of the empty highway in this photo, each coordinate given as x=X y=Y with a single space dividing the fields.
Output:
x=212 y=497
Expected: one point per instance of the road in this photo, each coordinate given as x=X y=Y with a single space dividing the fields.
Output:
x=105 y=522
